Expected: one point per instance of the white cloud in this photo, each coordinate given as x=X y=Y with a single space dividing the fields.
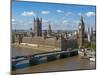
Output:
x=27 y=13
x=45 y=24
x=45 y=21
x=68 y=13
x=60 y=11
x=13 y=23
x=65 y=21
x=45 y=12
x=80 y=14
x=13 y=20
x=76 y=22
x=90 y=14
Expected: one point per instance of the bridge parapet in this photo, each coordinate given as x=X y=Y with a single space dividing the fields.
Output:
x=48 y=56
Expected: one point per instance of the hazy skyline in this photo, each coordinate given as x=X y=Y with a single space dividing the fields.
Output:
x=60 y=16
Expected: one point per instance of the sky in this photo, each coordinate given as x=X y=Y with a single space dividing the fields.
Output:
x=59 y=16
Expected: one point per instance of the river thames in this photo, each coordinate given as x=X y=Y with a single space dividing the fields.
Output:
x=66 y=64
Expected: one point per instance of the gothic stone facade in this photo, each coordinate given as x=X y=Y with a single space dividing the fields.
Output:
x=38 y=27
x=81 y=33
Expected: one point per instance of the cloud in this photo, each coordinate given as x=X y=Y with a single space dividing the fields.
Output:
x=45 y=21
x=65 y=21
x=45 y=12
x=80 y=14
x=68 y=13
x=22 y=24
x=90 y=14
x=28 y=13
x=13 y=23
x=45 y=24
x=60 y=11
x=76 y=22
x=13 y=20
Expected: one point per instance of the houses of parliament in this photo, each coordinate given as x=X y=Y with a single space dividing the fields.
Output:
x=61 y=39
x=38 y=30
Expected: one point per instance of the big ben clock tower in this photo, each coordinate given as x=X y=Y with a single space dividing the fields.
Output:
x=81 y=32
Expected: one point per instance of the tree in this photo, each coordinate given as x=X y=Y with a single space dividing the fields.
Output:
x=87 y=45
x=13 y=37
x=93 y=46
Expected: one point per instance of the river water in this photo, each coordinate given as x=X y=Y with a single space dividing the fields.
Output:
x=70 y=63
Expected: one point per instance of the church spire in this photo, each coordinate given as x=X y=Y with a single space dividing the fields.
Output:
x=37 y=18
x=81 y=20
x=49 y=27
x=49 y=30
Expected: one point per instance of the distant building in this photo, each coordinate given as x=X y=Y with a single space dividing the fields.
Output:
x=81 y=33
x=49 y=30
x=90 y=34
x=68 y=43
x=45 y=34
x=91 y=31
x=38 y=27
